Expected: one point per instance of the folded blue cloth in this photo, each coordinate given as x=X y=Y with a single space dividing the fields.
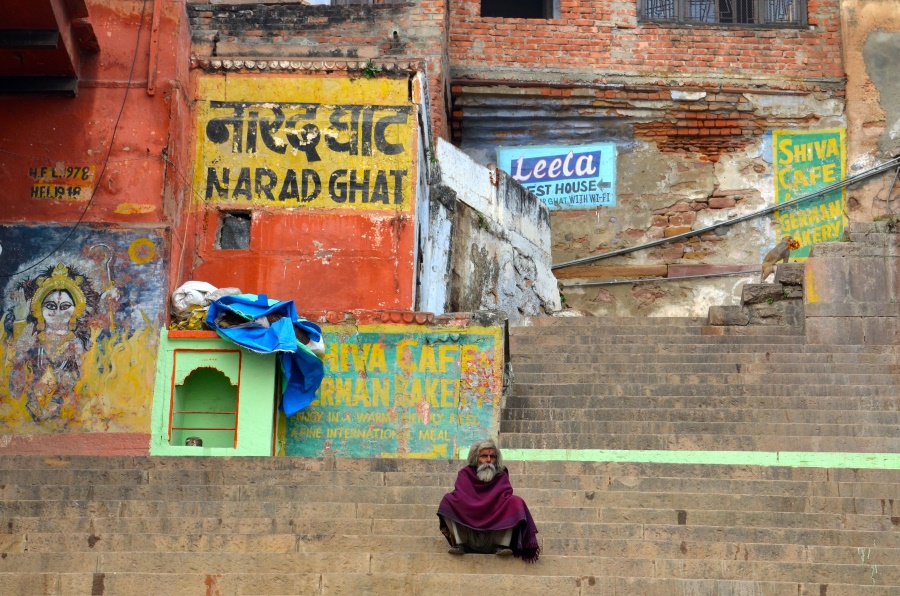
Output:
x=302 y=371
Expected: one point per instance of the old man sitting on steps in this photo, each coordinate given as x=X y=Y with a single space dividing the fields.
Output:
x=482 y=515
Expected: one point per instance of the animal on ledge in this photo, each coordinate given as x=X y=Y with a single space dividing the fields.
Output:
x=781 y=252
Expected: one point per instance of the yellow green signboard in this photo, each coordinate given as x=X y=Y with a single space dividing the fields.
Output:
x=402 y=391
x=806 y=161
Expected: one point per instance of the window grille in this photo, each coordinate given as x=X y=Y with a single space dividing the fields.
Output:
x=520 y=9
x=767 y=13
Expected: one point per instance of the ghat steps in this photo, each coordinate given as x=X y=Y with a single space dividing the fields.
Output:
x=674 y=383
x=123 y=525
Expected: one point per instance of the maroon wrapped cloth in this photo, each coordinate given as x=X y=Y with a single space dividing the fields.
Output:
x=488 y=506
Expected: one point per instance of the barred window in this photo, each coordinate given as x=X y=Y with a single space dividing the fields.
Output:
x=520 y=9
x=768 y=13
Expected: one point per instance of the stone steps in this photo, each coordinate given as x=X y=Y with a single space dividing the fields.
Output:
x=703 y=414
x=676 y=543
x=136 y=525
x=682 y=387
x=637 y=377
x=638 y=340
x=860 y=428
x=738 y=403
x=530 y=360
x=400 y=584
x=610 y=383
x=703 y=442
x=530 y=372
x=410 y=563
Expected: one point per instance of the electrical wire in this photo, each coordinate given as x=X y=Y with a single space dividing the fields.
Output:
x=106 y=161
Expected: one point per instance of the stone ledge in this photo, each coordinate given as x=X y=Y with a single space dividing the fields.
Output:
x=699 y=269
x=610 y=272
x=865 y=309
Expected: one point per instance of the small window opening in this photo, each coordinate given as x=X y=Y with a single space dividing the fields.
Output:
x=520 y=9
x=234 y=230
x=205 y=406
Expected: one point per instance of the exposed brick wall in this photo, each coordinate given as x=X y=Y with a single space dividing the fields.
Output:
x=356 y=33
x=603 y=38
x=717 y=122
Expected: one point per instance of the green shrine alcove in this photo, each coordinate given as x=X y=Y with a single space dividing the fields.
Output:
x=213 y=390
x=205 y=406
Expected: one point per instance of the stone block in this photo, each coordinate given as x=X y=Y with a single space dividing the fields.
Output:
x=12 y=543
x=761 y=293
x=764 y=313
x=827 y=280
x=789 y=274
x=721 y=203
x=727 y=315
x=871 y=280
x=835 y=250
x=865 y=227
x=881 y=331
x=835 y=330
x=676 y=231
x=793 y=312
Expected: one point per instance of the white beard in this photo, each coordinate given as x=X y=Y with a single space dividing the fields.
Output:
x=486 y=472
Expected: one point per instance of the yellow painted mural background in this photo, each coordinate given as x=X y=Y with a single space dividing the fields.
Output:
x=317 y=143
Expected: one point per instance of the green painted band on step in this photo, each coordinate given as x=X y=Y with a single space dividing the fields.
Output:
x=792 y=459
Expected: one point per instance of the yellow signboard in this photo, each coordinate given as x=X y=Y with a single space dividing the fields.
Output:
x=305 y=142
x=805 y=161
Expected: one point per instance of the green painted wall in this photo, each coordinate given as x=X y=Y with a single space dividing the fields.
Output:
x=220 y=390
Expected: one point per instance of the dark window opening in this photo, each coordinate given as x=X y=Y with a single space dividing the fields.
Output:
x=234 y=231
x=768 y=13
x=518 y=9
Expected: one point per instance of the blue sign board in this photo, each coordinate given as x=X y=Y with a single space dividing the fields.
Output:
x=564 y=177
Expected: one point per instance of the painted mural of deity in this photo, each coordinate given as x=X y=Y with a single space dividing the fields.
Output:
x=51 y=335
x=79 y=333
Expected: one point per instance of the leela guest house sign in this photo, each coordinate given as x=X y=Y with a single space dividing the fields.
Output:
x=564 y=177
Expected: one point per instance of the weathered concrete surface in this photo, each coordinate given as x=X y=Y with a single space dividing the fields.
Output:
x=852 y=288
x=657 y=299
x=663 y=194
x=490 y=243
x=871 y=40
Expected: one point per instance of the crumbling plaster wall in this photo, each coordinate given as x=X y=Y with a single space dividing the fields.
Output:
x=871 y=41
x=489 y=246
x=690 y=108
x=663 y=193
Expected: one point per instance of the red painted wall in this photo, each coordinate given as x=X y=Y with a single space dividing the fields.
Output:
x=44 y=131
x=326 y=260
x=133 y=145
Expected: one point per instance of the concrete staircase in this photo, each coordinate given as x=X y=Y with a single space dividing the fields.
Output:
x=677 y=387
x=121 y=525
x=654 y=383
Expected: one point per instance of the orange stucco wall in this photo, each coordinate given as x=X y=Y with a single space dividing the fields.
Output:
x=64 y=132
x=261 y=140
x=323 y=261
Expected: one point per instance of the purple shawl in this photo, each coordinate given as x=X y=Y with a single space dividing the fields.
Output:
x=490 y=506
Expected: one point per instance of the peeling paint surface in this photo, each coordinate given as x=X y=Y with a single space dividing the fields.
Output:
x=402 y=391
x=326 y=168
x=79 y=337
x=325 y=143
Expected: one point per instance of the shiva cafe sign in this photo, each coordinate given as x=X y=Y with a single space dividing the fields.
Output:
x=564 y=177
